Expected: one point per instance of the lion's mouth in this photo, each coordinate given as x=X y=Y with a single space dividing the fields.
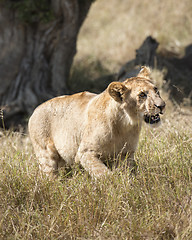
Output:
x=152 y=119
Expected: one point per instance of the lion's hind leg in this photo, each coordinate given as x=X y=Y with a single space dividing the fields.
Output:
x=48 y=158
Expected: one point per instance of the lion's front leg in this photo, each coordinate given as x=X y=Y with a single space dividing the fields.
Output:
x=90 y=161
x=129 y=161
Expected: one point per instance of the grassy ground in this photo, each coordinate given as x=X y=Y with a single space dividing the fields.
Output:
x=153 y=204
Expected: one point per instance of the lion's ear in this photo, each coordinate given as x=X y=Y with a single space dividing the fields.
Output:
x=144 y=72
x=116 y=91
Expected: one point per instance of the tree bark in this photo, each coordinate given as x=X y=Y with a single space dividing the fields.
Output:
x=35 y=59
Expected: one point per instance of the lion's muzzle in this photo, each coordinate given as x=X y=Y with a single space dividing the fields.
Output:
x=155 y=118
x=151 y=119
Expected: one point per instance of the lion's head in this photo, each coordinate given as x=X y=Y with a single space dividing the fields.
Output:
x=139 y=97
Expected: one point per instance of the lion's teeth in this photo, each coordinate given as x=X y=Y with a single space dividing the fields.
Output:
x=152 y=118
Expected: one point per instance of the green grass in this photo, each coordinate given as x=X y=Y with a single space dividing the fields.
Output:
x=153 y=204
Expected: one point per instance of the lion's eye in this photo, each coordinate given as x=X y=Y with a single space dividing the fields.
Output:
x=142 y=95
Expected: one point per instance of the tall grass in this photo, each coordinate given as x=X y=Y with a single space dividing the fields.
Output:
x=155 y=203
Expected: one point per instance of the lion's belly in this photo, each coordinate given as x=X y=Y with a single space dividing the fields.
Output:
x=67 y=152
x=67 y=141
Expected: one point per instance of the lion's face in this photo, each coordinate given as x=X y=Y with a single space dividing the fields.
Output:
x=147 y=100
x=140 y=98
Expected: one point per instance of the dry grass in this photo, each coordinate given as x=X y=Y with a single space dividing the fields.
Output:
x=153 y=204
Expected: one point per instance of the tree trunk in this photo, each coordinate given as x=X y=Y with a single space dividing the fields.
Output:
x=36 y=58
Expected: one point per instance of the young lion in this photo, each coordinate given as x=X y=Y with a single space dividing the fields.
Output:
x=91 y=128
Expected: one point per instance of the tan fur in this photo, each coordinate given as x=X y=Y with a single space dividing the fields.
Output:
x=94 y=128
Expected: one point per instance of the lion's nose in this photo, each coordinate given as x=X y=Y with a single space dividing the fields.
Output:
x=161 y=106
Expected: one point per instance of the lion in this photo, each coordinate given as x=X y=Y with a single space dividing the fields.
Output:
x=94 y=128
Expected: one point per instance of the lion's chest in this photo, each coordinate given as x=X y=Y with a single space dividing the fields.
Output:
x=117 y=141
x=125 y=142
